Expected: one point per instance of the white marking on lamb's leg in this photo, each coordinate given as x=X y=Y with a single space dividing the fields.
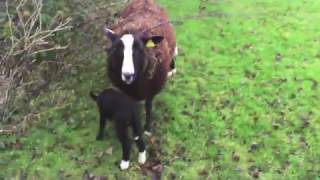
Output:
x=136 y=138
x=142 y=157
x=147 y=133
x=127 y=69
x=124 y=165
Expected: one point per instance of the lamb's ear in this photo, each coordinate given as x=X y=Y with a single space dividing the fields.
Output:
x=110 y=34
x=152 y=41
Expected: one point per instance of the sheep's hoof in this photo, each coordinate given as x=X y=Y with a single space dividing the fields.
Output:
x=142 y=157
x=172 y=72
x=124 y=165
x=147 y=133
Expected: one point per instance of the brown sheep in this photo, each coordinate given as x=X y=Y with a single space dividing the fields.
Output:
x=142 y=52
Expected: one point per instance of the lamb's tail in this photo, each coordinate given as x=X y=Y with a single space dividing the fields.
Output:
x=93 y=96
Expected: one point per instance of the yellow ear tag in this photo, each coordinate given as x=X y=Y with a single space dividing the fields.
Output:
x=150 y=44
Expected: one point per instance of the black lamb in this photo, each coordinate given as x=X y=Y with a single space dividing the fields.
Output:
x=114 y=105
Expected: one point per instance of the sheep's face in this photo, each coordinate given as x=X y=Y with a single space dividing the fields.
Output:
x=129 y=51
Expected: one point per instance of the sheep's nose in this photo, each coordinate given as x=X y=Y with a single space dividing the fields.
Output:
x=128 y=77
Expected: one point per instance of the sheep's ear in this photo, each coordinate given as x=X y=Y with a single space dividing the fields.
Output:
x=151 y=42
x=110 y=34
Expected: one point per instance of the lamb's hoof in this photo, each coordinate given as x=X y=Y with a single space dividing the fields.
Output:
x=147 y=133
x=142 y=157
x=124 y=165
x=172 y=72
x=136 y=138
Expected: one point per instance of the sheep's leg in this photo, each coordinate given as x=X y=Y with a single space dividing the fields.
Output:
x=122 y=131
x=103 y=120
x=137 y=131
x=148 y=107
x=173 y=66
x=176 y=51
x=173 y=69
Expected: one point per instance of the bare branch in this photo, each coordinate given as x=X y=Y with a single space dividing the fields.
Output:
x=27 y=38
x=50 y=49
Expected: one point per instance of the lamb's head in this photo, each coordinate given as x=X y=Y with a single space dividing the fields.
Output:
x=129 y=50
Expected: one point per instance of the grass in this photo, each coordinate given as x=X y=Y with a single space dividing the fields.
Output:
x=243 y=105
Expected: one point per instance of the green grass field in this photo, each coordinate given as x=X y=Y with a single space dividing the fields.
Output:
x=243 y=105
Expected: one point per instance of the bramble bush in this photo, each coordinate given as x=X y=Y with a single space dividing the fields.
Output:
x=40 y=42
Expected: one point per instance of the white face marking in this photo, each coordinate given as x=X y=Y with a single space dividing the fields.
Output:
x=127 y=71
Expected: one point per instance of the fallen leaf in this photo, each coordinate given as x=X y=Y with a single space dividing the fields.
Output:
x=18 y=145
x=253 y=147
x=303 y=142
x=254 y=171
x=109 y=151
x=204 y=173
x=99 y=154
x=235 y=157
x=153 y=169
x=278 y=57
x=152 y=140
x=158 y=168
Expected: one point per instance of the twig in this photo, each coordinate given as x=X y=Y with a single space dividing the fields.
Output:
x=10 y=27
x=4 y=131
x=50 y=49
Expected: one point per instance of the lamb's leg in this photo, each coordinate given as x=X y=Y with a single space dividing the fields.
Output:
x=102 y=125
x=122 y=132
x=137 y=131
x=148 y=107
